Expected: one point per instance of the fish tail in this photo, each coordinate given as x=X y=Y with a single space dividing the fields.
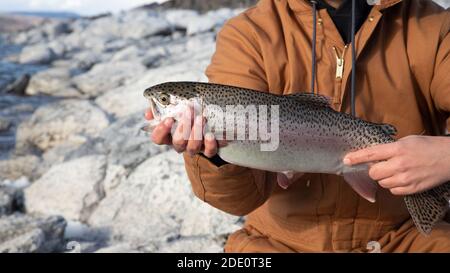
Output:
x=428 y=208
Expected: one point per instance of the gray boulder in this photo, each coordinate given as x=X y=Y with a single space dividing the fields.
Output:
x=19 y=86
x=4 y=124
x=37 y=54
x=128 y=99
x=11 y=200
x=29 y=233
x=134 y=25
x=16 y=167
x=54 y=82
x=33 y=36
x=106 y=76
x=67 y=121
x=71 y=189
x=53 y=29
x=156 y=204
x=122 y=142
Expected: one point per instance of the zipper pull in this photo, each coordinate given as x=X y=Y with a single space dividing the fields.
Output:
x=340 y=62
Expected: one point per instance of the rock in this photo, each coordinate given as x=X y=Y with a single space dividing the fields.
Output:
x=106 y=76
x=209 y=21
x=31 y=233
x=160 y=182
x=131 y=52
x=57 y=47
x=180 y=18
x=126 y=144
x=135 y=25
x=193 y=245
x=54 y=29
x=123 y=142
x=33 y=36
x=121 y=248
x=85 y=60
x=54 y=82
x=11 y=200
x=15 y=110
x=71 y=189
x=56 y=155
x=115 y=174
x=17 y=167
x=18 y=184
x=68 y=121
x=128 y=99
x=200 y=5
x=4 y=124
x=140 y=25
x=13 y=74
x=19 y=86
x=37 y=54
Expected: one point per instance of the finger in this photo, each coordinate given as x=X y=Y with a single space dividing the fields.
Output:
x=179 y=141
x=210 y=145
x=398 y=180
x=388 y=183
x=161 y=133
x=402 y=191
x=195 y=142
x=148 y=114
x=383 y=170
x=375 y=153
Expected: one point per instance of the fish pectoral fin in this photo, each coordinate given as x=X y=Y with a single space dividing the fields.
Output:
x=362 y=184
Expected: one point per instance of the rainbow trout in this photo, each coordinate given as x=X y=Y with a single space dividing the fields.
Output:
x=290 y=133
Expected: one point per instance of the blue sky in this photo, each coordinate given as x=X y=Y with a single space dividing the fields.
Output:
x=84 y=7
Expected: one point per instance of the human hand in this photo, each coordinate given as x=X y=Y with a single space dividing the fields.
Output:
x=411 y=165
x=188 y=135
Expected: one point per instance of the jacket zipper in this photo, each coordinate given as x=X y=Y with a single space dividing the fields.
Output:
x=340 y=62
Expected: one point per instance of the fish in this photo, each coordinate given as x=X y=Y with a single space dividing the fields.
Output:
x=312 y=137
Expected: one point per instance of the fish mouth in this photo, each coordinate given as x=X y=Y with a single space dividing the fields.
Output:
x=154 y=109
x=150 y=126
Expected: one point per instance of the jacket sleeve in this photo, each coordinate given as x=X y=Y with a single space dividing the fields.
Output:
x=440 y=85
x=233 y=189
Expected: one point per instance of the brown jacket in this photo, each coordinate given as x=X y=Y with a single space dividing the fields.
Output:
x=403 y=79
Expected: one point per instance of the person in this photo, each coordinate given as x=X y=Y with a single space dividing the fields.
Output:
x=402 y=78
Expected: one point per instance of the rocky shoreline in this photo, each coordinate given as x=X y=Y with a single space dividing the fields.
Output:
x=76 y=173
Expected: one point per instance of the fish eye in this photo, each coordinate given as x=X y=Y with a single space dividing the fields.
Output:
x=164 y=99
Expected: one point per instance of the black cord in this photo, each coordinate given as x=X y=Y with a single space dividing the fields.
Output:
x=314 y=41
x=353 y=83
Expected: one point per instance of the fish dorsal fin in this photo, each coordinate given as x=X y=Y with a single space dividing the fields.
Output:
x=315 y=99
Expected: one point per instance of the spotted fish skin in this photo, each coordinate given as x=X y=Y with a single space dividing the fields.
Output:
x=313 y=138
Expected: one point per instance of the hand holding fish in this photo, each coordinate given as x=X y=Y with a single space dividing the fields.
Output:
x=162 y=135
x=411 y=165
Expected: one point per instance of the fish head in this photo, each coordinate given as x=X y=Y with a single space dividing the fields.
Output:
x=169 y=100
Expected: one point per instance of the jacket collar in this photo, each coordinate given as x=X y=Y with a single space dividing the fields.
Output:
x=304 y=5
